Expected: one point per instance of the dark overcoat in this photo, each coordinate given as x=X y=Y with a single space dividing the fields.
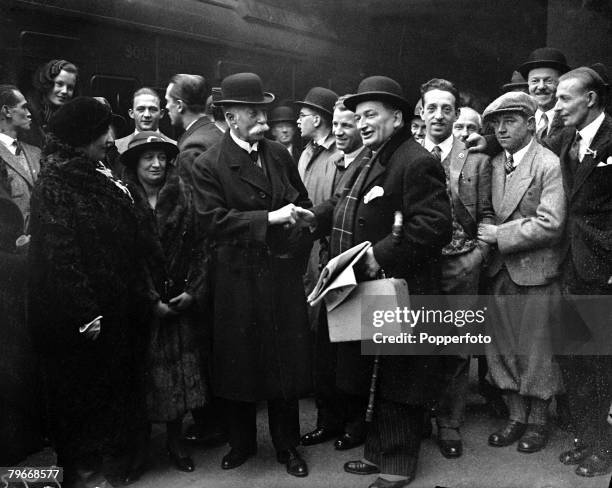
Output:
x=177 y=262
x=413 y=182
x=261 y=337
x=84 y=263
x=201 y=136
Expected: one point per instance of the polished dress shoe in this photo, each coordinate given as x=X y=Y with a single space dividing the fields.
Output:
x=317 y=436
x=182 y=463
x=359 y=467
x=534 y=439
x=575 y=455
x=382 y=483
x=509 y=434
x=235 y=458
x=597 y=464
x=449 y=448
x=347 y=441
x=296 y=466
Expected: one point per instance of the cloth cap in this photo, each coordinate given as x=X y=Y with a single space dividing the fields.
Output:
x=512 y=102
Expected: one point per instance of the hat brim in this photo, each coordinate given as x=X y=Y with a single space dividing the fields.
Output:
x=276 y=121
x=379 y=96
x=506 y=110
x=132 y=155
x=267 y=99
x=314 y=106
x=511 y=86
x=525 y=68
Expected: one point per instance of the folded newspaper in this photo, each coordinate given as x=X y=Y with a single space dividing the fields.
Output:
x=337 y=279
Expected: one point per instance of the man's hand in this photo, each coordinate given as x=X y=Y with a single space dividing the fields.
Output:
x=305 y=218
x=487 y=233
x=368 y=264
x=181 y=302
x=284 y=215
x=476 y=143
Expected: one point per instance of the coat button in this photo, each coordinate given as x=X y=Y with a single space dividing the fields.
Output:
x=262 y=194
x=361 y=221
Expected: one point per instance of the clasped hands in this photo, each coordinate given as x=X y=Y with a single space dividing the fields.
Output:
x=291 y=215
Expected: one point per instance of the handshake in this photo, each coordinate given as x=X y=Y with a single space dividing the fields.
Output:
x=291 y=215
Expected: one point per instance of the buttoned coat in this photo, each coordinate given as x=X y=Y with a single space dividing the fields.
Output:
x=261 y=338
x=21 y=181
x=530 y=211
x=413 y=182
x=201 y=136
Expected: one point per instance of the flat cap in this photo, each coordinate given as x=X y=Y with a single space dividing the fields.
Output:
x=512 y=102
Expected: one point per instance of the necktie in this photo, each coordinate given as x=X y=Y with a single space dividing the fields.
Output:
x=18 y=147
x=574 y=150
x=542 y=126
x=437 y=152
x=509 y=164
x=254 y=155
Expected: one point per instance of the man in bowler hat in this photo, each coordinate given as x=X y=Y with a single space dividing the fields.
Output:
x=400 y=175
x=284 y=130
x=246 y=189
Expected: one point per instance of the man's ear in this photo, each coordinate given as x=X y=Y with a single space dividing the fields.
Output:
x=316 y=120
x=131 y=113
x=592 y=99
x=398 y=118
x=5 y=112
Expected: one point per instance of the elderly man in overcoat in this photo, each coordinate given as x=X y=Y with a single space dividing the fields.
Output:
x=246 y=189
x=399 y=175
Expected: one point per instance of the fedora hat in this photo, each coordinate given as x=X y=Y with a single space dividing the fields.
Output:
x=544 y=57
x=319 y=98
x=382 y=89
x=243 y=89
x=144 y=141
x=516 y=82
x=512 y=101
x=282 y=114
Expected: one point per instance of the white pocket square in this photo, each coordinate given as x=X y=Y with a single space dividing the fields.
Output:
x=607 y=163
x=375 y=192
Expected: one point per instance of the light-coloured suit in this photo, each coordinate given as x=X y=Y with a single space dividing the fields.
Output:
x=530 y=209
x=22 y=178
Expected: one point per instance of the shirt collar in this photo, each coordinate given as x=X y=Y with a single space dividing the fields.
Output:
x=350 y=157
x=518 y=156
x=587 y=134
x=550 y=115
x=445 y=146
x=244 y=144
x=326 y=141
x=8 y=142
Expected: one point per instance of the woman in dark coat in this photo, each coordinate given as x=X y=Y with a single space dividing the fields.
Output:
x=54 y=84
x=177 y=263
x=86 y=293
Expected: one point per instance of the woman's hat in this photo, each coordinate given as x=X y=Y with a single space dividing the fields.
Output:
x=516 y=82
x=145 y=141
x=319 y=98
x=80 y=121
x=243 y=89
x=544 y=57
x=282 y=114
x=381 y=89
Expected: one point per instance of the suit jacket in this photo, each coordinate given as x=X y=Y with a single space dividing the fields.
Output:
x=589 y=199
x=123 y=143
x=530 y=211
x=201 y=136
x=21 y=180
x=470 y=182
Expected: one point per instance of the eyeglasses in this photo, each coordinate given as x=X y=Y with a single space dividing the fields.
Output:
x=302 y=115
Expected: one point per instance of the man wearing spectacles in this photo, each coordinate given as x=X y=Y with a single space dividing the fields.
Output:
x=146 y=112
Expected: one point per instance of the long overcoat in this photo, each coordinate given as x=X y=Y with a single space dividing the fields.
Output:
x=413 y=182
x=84 y=263
x=261 y=346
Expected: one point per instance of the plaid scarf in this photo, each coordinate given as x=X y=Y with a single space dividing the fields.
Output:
x=344 y=213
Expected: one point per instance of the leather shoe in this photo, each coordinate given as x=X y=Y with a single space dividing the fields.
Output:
x=296 y=466
x=182 y=463
x=317 y=436
x=347 y=441
x=534 y=439
x=597 y=464
x=449 y=448
x=381 y=483
x=235 y=458
x=509 y=434
x=359 y=467
x=575 y=455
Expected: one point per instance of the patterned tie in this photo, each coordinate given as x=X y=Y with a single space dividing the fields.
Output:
x=574 y=150
x=509 y=164
x=437 y=152
x=18 y=147
x=542 y=126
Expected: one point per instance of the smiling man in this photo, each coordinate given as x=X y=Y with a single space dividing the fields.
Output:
x=468 y=122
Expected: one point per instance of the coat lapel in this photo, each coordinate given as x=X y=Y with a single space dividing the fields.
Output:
x=588 y=163
x=457 y=159
x=498 y=182
x=11 y=161
x=517 y=184
x=247 y=170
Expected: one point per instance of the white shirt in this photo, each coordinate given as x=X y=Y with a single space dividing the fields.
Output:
x=518 y=156
x=550 y=114
x=9 y=142
x=350 y=157
x=587 y=134
x=445 y=146
x=244 y=144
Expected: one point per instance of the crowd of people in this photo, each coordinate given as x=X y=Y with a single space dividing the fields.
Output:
x=167 y=278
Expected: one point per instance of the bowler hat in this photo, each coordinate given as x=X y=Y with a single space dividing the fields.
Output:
x=216 y=95
x=282 y=114
x=512 y=102
x=544 y=57
x=147 y=140
x=243 y=89
x=516 y=82
x=80 y=121
x=380 y=88
x=320 y=98
x=601 y=70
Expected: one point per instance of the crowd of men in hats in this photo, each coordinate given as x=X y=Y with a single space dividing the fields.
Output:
x=515 y=201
